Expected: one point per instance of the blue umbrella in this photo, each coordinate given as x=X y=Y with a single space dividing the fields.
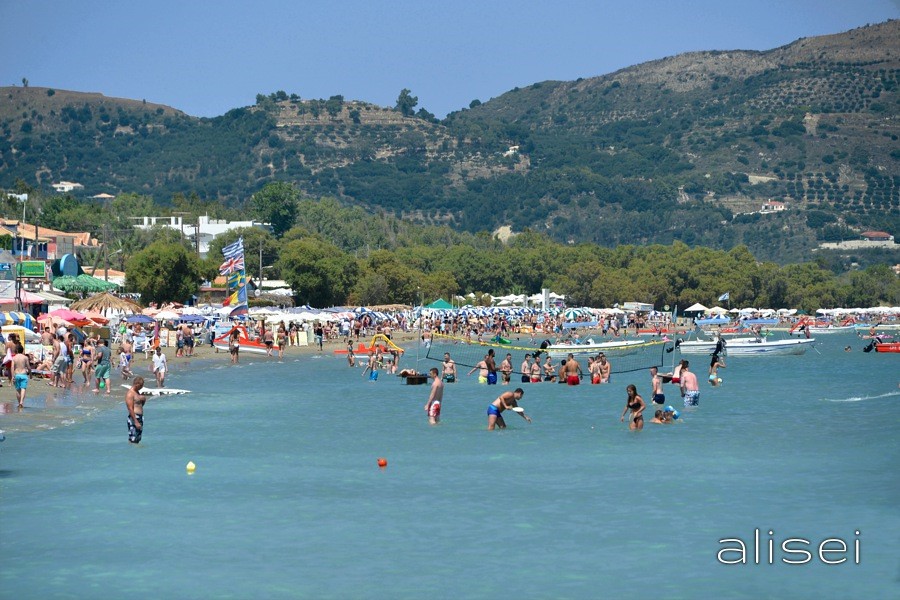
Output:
x=192 y=318
x=139 y=319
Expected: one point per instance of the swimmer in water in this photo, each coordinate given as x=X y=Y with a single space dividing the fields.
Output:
x=635 y=404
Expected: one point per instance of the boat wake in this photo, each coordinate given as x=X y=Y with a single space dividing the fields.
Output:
x=862 y=398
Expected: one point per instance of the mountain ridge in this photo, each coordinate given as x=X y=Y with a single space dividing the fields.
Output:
x=671 y=149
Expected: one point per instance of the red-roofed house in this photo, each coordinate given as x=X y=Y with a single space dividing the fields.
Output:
x=773 y=206
x=877 y=236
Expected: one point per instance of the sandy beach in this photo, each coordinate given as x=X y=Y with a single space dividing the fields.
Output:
x=143 y=366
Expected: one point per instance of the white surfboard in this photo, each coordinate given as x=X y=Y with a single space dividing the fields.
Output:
x=158 y=391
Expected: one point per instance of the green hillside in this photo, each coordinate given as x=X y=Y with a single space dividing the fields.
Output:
x=686 y=148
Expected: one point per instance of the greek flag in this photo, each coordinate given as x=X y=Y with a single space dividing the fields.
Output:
x=235 y=249
x=724 y=297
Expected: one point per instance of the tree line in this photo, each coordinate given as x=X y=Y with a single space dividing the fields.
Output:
x=331 y=255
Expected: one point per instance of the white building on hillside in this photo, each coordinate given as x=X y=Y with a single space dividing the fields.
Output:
x=64 y=187
x=205 y=228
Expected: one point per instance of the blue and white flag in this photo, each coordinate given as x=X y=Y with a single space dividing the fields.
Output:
x=724 y=297
x=235 y=249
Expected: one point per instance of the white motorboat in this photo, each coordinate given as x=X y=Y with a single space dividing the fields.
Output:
x=813 y=330
x=750 y=346
x=592 y=348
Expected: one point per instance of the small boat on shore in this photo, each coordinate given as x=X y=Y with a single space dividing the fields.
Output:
x=244 y=342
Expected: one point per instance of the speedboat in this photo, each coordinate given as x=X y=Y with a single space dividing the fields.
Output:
x=592 y=348
x=753 y=346
x=749 y=346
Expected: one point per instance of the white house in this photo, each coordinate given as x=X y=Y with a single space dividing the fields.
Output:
x=67 y=186
x=773 y=206
x=205 y=228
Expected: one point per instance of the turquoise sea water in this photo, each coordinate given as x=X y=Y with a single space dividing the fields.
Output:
x=288 y=501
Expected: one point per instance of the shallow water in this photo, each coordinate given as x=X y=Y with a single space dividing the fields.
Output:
x=288 y=502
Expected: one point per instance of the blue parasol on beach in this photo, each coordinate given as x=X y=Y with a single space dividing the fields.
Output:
x=192 y=318
x=139 y=319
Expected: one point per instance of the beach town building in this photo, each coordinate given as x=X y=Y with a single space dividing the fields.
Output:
x=200 y=233
x=30 y=240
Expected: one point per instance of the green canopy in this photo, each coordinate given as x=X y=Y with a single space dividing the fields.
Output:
x=439 y=303
x=82 y=283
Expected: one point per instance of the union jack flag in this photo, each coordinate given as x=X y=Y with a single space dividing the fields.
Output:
x=231 y=265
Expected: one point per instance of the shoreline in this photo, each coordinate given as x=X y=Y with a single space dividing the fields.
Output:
x=38 y=396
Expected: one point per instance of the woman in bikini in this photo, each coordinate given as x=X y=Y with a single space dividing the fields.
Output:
x=635 y=404
x=86 y=362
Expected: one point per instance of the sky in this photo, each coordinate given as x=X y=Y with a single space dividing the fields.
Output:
x=206 y=57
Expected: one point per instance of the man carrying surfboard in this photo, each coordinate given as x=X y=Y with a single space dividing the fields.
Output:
x=506 y=400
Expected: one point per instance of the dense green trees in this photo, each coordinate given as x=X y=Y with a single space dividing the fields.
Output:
x=319 y=273
x=338 y=255
x=165 y=272
x=276 y=204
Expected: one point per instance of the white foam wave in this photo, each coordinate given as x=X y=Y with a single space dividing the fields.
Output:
x=862 y=398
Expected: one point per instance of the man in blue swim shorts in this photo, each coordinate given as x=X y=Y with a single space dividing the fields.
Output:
x=21 y=369
x=656 y=384
x=506 y=400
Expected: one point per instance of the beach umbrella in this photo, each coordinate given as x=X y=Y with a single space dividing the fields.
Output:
x=68 y=315
x=53 y=320
x=167 y=315
x=192 y=318
x=82 y=283
x=145 y=319
x=571 y=314
x=96 y=317
x=17 y=318
x=106 y=301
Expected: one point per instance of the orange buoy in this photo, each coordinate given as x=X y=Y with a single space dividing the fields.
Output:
x=382 y=462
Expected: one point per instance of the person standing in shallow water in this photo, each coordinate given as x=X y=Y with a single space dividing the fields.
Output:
x=690 y=389
x=20 y=369
x=234 y=345
x=635 y=404
x=134 y=402
x=433 y=406
x=506 y=400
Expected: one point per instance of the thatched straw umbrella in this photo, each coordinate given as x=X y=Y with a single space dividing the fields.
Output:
x=106 y=303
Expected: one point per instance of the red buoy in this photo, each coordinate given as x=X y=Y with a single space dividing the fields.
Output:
x=382 y=462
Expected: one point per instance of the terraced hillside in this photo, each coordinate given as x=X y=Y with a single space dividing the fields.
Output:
x=683 y=148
